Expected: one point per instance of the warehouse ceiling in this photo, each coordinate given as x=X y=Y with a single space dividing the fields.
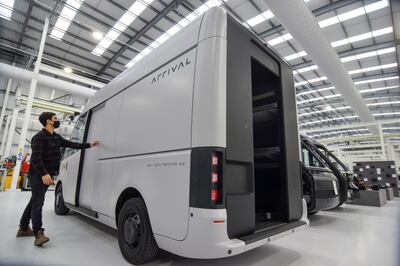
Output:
x=101 y=38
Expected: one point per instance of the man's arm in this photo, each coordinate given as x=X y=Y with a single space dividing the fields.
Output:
x=76 y=145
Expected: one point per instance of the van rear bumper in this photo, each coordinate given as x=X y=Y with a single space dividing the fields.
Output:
x=207 y=236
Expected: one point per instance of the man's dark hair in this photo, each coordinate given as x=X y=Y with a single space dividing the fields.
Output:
x=44 y=116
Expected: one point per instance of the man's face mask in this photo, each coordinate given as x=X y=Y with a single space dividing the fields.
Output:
x=56 y=124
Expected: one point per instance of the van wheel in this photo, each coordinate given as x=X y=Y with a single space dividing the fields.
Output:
x=135 y=237
x=59 y=205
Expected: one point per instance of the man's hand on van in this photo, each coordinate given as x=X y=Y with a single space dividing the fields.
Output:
x=47 y=180
x=94 y=143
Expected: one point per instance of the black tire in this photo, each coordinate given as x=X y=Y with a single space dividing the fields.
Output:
x=59 y=204
x=312 y=213
x=135 y=236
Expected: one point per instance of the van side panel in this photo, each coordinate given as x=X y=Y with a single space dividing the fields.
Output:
x=209 y=100
x=154 y=122
x=291 y=140
x=183 y=40
x=156 y=112
x=98 y=190
x=163 y=181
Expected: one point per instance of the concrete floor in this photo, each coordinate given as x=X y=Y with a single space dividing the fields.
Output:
x=350 y=235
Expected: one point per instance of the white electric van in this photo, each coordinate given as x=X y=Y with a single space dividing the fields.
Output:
x=199 y=150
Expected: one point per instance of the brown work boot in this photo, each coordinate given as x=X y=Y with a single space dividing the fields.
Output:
x=25 y=232
x=40 y=238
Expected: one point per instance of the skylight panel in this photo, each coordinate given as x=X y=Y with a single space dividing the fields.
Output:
x=351 y=58
x=358 y=38
x=353 y=39
x=146 y=51
x=138 y=7
x=386 y=51
x=340 y=132
x=296 y=55
x=375 y=80
x=325 y=111
x=383 y=103
x=368 y=69
x=126 y=19
x=361 y=56
x=383 y=31
x=305 y=69
x=320 y=98
x=64 y=20
x=335 y=19
x=384 y=114
x=378 y=89
x=351 y=14
x=260 y=18
x=313 y=91
x=280 y=39
x=340 y=43
x=310 y=81
x=154 y=44
x=328 y=119
x=6 y=7
x=174 y=29
x=256 y=20
x=163 y=38
x=329 y=21
x=376 y=6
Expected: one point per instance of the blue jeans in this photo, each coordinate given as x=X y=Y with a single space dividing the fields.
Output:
x=34 y=208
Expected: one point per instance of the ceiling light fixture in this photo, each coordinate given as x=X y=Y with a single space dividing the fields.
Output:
x=97 y=35
x=68 y=69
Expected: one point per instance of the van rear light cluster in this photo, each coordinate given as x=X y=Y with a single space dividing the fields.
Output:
x=216 y=178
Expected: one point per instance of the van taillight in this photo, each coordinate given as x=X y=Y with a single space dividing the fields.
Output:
x=216 y=171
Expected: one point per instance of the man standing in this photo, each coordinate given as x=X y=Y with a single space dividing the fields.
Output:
x=45 y=163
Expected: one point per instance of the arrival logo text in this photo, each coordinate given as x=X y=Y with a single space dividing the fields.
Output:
x=171 y=70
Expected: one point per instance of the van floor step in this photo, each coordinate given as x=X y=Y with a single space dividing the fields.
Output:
x=266 y=225
x=259 y=235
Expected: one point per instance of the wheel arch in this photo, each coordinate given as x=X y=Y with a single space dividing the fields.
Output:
x=126 y=195
x=59 y=183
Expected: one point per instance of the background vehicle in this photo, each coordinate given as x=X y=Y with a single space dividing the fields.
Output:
x=349 y=185
x=183 y=163
x=320 y=186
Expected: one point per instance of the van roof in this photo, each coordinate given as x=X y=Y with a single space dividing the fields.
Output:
x=211 y=24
